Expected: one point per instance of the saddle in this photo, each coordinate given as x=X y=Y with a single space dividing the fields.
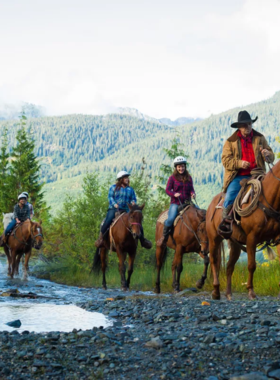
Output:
x=163 y=216
x=248 y=195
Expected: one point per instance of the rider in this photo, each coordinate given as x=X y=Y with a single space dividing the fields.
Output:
x=244 y=151
x=21 y=214
x=120 y=195
x=29 y=204
x=180 y=188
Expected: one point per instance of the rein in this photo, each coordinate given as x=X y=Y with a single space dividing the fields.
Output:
x=129 y=228
x=191 y=229
x=25 y=242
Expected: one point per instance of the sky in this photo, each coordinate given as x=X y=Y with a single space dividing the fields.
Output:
x=167 y=58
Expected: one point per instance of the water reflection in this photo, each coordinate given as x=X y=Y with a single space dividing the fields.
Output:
x=49 y=317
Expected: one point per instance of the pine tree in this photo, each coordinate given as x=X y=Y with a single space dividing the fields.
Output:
x=5 y=185
x=25 y=168
x=174 y=151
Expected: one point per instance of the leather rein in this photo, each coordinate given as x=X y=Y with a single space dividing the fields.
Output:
x=25 y=242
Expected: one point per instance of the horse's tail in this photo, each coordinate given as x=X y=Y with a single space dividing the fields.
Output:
x=221 y=264
x=96 y=265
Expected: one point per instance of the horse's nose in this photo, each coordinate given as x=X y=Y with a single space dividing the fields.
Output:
x=134 y=235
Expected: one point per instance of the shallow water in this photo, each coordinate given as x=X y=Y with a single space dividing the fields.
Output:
x=49 y=317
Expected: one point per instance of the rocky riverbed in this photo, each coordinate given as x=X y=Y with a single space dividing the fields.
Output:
x=154 y=337
x=144 y=336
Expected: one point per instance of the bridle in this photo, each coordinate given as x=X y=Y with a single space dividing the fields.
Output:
x=191 y=229
x=129 y=228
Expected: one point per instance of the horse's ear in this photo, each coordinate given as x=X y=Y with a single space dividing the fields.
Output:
x=40 y=222
x=129 y=206
x=141 y=207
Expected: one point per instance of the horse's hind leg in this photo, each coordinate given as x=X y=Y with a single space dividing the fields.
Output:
x=122 y=268
x=130 y=266
x=251 y=252
x=160 y=253
x=103 y=258
x=9 y=259
x=233 y=257
x=200 y=283
x=177 y=267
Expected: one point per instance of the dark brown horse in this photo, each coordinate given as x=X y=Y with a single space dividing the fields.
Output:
x=189 y=236
x=26 y=235
x=263 y=225
x=124 y=240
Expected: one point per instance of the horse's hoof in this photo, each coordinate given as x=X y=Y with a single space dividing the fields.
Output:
x=157 y=290
x=229 y=297
x=215 y=295
x=104 y=287
x=252 y=295
x=199 y=284
x=124 y=289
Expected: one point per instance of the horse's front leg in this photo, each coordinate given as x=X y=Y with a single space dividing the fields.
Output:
x=122 y=268
x=234 y=253
x=177 y=267
x=214 y=261
x=9 y=259
x=251 y=252
x=130 y=266
x=103 y=257
x=200 y=283
x=13 y=263
x=25 y=266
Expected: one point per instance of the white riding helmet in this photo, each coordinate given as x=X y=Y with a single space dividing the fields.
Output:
x=22 y=196
x=179 y=160
x=122 y=174
x=25 y=193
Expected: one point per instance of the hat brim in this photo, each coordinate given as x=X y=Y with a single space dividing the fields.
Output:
x=237 y=124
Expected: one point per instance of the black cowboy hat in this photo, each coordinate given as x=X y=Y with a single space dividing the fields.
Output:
x=243 y=118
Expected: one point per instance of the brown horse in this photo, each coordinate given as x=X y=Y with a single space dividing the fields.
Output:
x=189 y=236
x=263 y=225
x=124 y=240
x=26 y=235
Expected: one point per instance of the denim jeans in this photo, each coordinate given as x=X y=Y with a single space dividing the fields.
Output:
x=172 y=213
x=233 y=189
x=10 y=226
x=109 y=219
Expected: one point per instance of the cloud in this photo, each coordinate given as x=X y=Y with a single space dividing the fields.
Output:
x=165 y=59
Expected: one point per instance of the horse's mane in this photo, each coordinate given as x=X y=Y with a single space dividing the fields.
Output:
x=135 y=208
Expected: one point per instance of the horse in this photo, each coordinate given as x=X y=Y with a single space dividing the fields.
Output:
x=122 y=239
x=189 y=235
x=7 y=218
x=263 y=225
x=25 y=236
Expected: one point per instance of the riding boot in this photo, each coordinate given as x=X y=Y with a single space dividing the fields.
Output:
x=99 y=241
x=226 y=211
x=163 y=240
x=145 y=243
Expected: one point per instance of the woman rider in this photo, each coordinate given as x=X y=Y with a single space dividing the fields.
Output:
x=120 y=195
x=180 y=189
x=21 y=214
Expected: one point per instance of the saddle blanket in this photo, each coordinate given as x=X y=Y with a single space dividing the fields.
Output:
x=163 y=217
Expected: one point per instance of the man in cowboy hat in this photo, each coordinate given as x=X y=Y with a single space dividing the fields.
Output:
x=243 y=151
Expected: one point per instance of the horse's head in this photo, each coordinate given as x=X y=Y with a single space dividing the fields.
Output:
x=36 y=235
x=135 y=218
x=203 y=238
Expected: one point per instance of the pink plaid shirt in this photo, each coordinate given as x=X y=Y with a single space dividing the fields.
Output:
x=185 y=189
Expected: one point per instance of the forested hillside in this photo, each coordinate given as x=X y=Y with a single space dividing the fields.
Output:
x=71 y=145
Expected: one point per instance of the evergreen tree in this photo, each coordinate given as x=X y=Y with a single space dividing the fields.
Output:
x=5 y=199
x=166 y=171
x=25 y=168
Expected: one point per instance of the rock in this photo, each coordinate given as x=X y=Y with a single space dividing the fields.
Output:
x=210 y=338
x=212 y=378
x=155 y=343
x=275 y=374
x=250 y=376
x=16 y=323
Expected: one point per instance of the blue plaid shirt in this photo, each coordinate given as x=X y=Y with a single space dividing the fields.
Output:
x=122 y=197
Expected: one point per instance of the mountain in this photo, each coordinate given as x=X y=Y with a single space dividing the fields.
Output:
x=179 y=121
x=135 y=113
x=69 y=146
x=11 y=111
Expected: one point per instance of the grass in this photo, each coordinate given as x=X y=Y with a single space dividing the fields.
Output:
x=266 y=278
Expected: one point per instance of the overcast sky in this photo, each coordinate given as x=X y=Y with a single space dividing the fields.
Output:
x=167 y=58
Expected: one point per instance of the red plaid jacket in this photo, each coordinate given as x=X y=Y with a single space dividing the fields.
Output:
x=247 y=153
x=185 y=189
